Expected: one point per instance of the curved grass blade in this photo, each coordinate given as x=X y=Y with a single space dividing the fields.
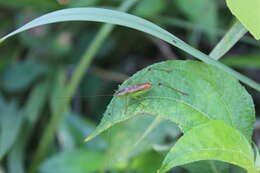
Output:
x=131 y=21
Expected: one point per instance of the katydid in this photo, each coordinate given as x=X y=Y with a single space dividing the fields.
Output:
x=136 y=90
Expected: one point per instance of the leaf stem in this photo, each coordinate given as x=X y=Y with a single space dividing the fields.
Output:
x=235 y=33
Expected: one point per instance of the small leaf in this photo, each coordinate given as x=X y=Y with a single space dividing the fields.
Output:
x=210 y=94
x=10 y=123
x=248 y=13
x=76 y=161
x=211 y=141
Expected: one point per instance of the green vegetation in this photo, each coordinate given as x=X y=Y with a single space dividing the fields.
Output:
x=196 y=116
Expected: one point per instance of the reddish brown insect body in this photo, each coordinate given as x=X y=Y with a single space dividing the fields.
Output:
x=134 y=90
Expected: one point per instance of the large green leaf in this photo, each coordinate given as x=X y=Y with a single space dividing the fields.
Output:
x=211 y=141
x=210 y=94
x=124 y=19
x=248 y=13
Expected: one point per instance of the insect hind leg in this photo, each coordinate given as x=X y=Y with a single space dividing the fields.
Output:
x=173 y=88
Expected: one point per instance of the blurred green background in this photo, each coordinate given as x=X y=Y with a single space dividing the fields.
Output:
x=36 y=65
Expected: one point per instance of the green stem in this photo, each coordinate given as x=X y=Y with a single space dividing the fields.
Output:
x=82 y=67
x=236 y=32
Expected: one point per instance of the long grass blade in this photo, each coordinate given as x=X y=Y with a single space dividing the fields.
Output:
x=131 y=21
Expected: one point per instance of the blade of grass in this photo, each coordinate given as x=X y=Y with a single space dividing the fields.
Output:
x=82 y=67
x=235 y=33
x=131 y=21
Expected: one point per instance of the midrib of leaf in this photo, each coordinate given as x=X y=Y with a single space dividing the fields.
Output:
x=140 y=113
x=179 y=101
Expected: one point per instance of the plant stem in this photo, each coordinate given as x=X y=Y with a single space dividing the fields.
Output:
x=235 y=33
x=82 y=67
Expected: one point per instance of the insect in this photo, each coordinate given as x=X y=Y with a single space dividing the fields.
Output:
x=134 y=90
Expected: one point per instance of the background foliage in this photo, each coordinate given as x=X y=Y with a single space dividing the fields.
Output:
x=36 y=65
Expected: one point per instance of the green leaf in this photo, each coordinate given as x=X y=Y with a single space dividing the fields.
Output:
x=126 y=140
x=124 y=19
x=10 y=123
x=248 y=13
x=21 y=75
x=76 y=161
x=148 y=162
x=214 y=140
x=210 y=94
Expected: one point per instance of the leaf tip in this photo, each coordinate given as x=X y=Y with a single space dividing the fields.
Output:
x=88 y=139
